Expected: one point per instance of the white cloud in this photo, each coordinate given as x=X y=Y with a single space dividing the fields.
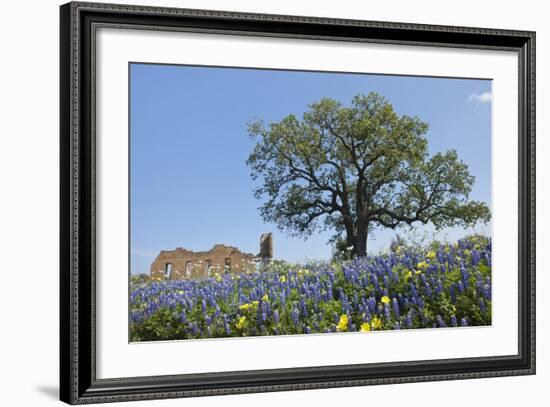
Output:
x=485 y=97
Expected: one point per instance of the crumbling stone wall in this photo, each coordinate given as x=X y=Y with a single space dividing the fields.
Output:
x=181 y=263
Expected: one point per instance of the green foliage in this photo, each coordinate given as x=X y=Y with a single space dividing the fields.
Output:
x=139 y=279
x=358 y=168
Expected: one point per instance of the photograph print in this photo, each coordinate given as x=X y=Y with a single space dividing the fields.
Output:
x=277 y=202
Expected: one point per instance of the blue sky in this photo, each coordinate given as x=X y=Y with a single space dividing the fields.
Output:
x=190 y=185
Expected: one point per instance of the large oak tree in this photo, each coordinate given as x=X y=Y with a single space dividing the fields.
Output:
x=354 y=169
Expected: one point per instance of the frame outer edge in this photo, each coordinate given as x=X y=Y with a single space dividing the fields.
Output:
x=533 y=195
x=256 y=16
x=70 y=65
x=64 y=228
x=70 y=201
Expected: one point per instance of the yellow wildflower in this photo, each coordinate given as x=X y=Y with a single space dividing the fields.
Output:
x=417 y=272
x=180 y=291
x=408 y=275
x=244 y=307
x=282 y=279
x=422 y=265
x=385 y=299
x=365 y=327
x=466 y=252
x=255 y=303
x=376 y=323
x=431 y=255
x=343 y=324
x=265 y=298
x=241 y=323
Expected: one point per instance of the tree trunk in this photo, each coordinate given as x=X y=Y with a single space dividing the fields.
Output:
x=350 y=235
x=350 y=243
x=361 y=239
x=362 y=224
x=361 y=246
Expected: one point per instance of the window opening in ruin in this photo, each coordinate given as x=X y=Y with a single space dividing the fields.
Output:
x=188 y=268
x=208 y=267
x=227 y=265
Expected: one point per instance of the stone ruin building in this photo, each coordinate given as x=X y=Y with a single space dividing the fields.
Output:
x=182 y=263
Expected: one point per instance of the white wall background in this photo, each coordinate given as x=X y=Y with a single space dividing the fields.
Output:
x=29 y=163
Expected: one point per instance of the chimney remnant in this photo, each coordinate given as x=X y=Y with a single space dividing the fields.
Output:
x=266 y=247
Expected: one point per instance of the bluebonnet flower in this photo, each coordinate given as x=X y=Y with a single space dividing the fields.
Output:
x=486 y=289
x=439 y=287
x=428 y=290
x=375 y=282
x=452 y=293
x=408 y=320
x=440 y=321
x=276 y=316
x=295 y=316
x=460 y=286
x=413 y=290
x=475 y=258
x=303 y=308
x=203 y=304
x=226 y=325
x=420 y=302
x=335 y=317
x=395 y=305
x=387 y=313
x=464 y=273
x=453 y=321
x=482 y=306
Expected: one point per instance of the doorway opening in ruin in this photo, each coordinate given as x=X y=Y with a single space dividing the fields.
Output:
x=188 y=268
x=208 y=267
x=168 y=271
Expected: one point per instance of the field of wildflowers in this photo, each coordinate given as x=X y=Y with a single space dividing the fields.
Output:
x=443 y=285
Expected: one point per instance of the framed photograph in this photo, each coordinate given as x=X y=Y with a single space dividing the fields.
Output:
x=255 y=203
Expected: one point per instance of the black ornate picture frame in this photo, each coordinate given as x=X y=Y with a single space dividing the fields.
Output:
x=78 y=381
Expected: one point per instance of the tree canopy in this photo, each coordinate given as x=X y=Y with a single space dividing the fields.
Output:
x=354 y=169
